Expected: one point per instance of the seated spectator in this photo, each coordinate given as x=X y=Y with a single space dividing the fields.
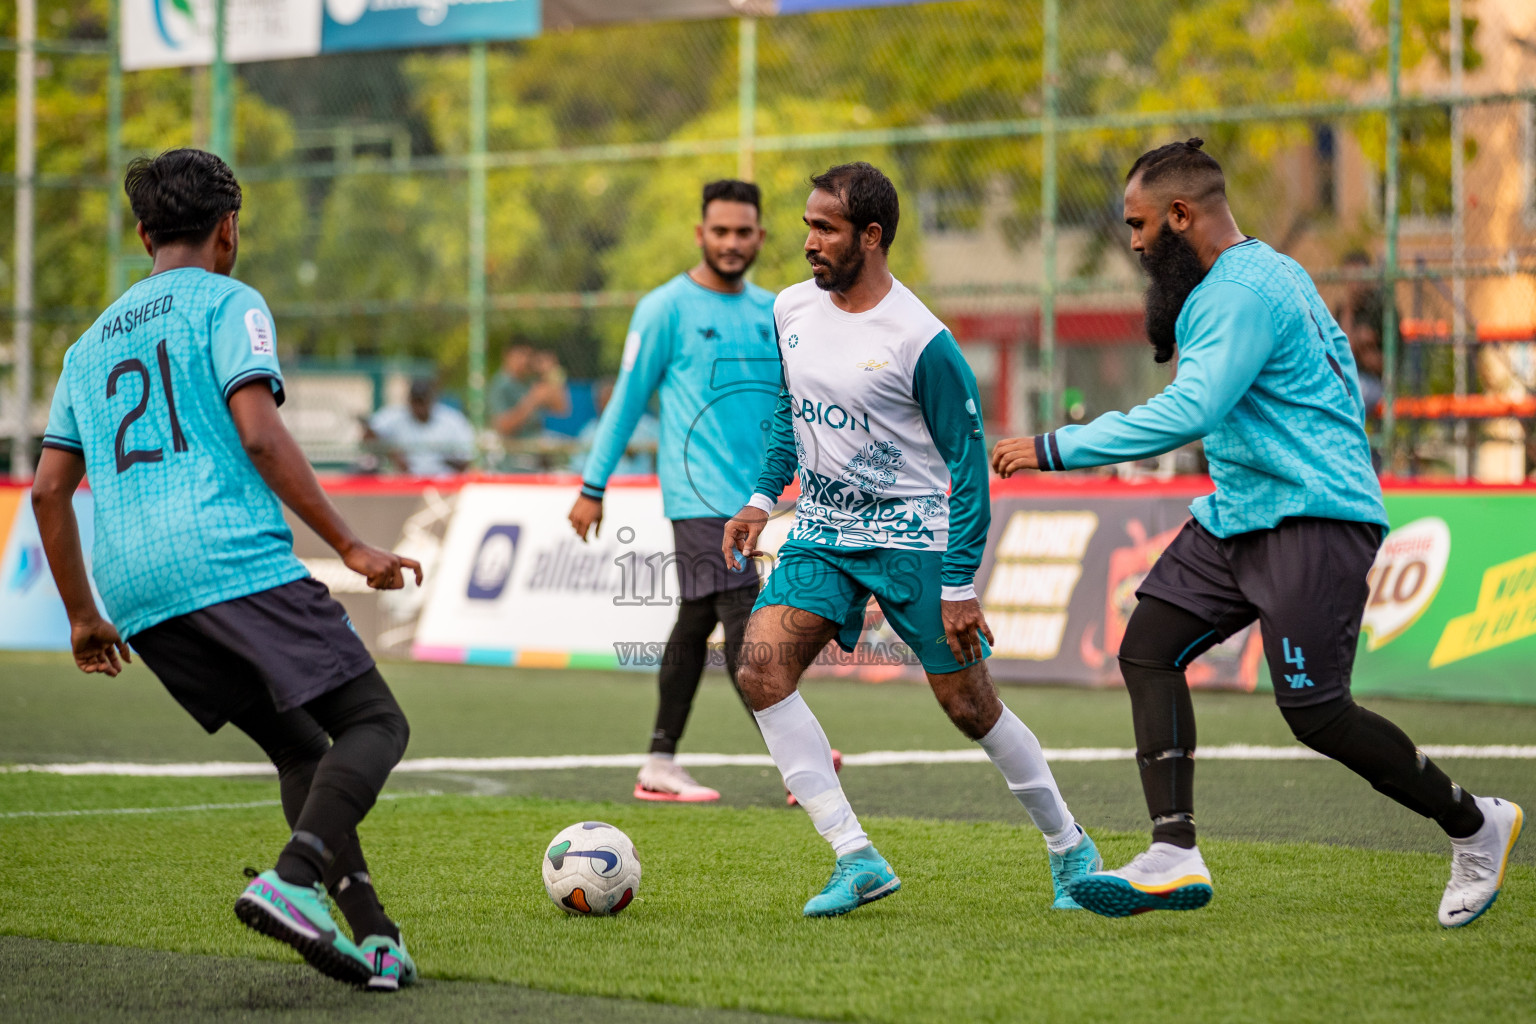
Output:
x=639 y=455
x=529 y=385
x=424 y=437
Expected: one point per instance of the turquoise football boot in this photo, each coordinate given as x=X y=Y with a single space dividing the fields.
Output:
x=298 y=915
x=1082 y=859
x=860 y=877
x=392 y=965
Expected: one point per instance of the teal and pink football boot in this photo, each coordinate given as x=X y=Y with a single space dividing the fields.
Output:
x=298 y=916
x=392 y=965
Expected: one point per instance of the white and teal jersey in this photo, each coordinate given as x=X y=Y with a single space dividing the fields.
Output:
x=880 y=415
x=183 y=520
x=710 y=356
x=1266 y=377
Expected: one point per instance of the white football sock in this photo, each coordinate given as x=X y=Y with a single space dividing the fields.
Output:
x=804 y=757
x=1016 y=752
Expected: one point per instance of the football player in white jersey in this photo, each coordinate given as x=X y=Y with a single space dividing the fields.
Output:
x=878 y=415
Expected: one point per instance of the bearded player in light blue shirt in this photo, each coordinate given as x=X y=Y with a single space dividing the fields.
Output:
x=1266 y=378
x=169 y=404
x=704 y=343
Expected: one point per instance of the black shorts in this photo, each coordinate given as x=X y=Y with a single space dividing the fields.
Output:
x=701 y=569
x=1304 y=580
x=287 y=645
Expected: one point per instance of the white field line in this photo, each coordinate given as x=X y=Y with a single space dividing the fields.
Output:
x=873 y=758
x=192 y=808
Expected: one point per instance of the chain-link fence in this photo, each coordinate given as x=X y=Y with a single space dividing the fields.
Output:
x=413 y=212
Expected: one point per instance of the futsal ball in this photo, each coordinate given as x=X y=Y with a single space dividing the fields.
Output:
x=592 y=869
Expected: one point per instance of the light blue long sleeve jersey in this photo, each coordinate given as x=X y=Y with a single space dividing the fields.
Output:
x=1266 y=377
x=712 y=357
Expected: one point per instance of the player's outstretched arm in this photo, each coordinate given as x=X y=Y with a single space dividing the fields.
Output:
x=277 y=457
x=94 y=640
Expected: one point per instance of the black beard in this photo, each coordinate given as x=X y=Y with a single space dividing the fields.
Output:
x=839 y=277
x=1173 y=270
x=728 y=276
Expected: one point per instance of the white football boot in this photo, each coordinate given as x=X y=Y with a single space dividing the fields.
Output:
x=1162 y=877
x=662 y=778
x=1478 y=862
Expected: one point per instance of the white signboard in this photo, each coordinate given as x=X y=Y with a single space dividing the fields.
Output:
x=515 y=586
x=179 y=33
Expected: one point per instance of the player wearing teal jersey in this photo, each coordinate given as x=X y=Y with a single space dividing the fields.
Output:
x=702 y=343
x=168 y=403
x=879 y=416
x=1265 y=377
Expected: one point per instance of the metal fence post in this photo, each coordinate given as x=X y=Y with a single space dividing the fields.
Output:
x=477 y=75
x=1458 y=237
x=1389 y=339
x=220 y=100
x=746 y=132
x=116 y=280
x=26 y=174
x=1048 y=402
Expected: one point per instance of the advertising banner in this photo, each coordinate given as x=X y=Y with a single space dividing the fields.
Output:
x=515 y=586
x=31 y=613
x=395 y=24
x=1452 y=611
x=179 y=33
x=1059 y=577
x=405 y=517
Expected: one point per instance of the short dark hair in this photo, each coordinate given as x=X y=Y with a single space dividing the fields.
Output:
x=733 y=191
x=1184 y=164
x=181 y=195
x=867 y=195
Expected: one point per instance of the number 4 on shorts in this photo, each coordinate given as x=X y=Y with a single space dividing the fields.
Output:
x=1293 y=656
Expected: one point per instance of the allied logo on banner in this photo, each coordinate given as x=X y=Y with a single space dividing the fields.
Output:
x=1505 y=612
x=1404 y=580
x=493 y=563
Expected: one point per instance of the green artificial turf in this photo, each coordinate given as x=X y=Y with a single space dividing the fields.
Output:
x=1298 y=930
x=1295 y=929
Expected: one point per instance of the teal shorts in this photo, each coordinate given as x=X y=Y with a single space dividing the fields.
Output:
x=836 y=585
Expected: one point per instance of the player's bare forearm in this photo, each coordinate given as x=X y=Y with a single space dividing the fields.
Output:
x=93 y=639
x=58 y=476
x=1012 y=454
x=281 y=463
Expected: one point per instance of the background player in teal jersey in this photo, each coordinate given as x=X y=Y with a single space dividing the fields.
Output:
x=704 y=343
x=169 y=404
x=1265 y=377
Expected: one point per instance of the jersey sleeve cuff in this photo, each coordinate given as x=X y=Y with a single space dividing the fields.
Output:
x=63 y=444
x=242 y=379
x=965 y=593
x=761 y=501
x=1048 y=452
x=592 y=491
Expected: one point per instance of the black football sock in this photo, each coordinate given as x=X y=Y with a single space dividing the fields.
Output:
x=369 y=734
x=1383 y=755
x=1159 y=641
x=304 y=860
x=735 y=609
x=359 y=903
x=682 y=666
